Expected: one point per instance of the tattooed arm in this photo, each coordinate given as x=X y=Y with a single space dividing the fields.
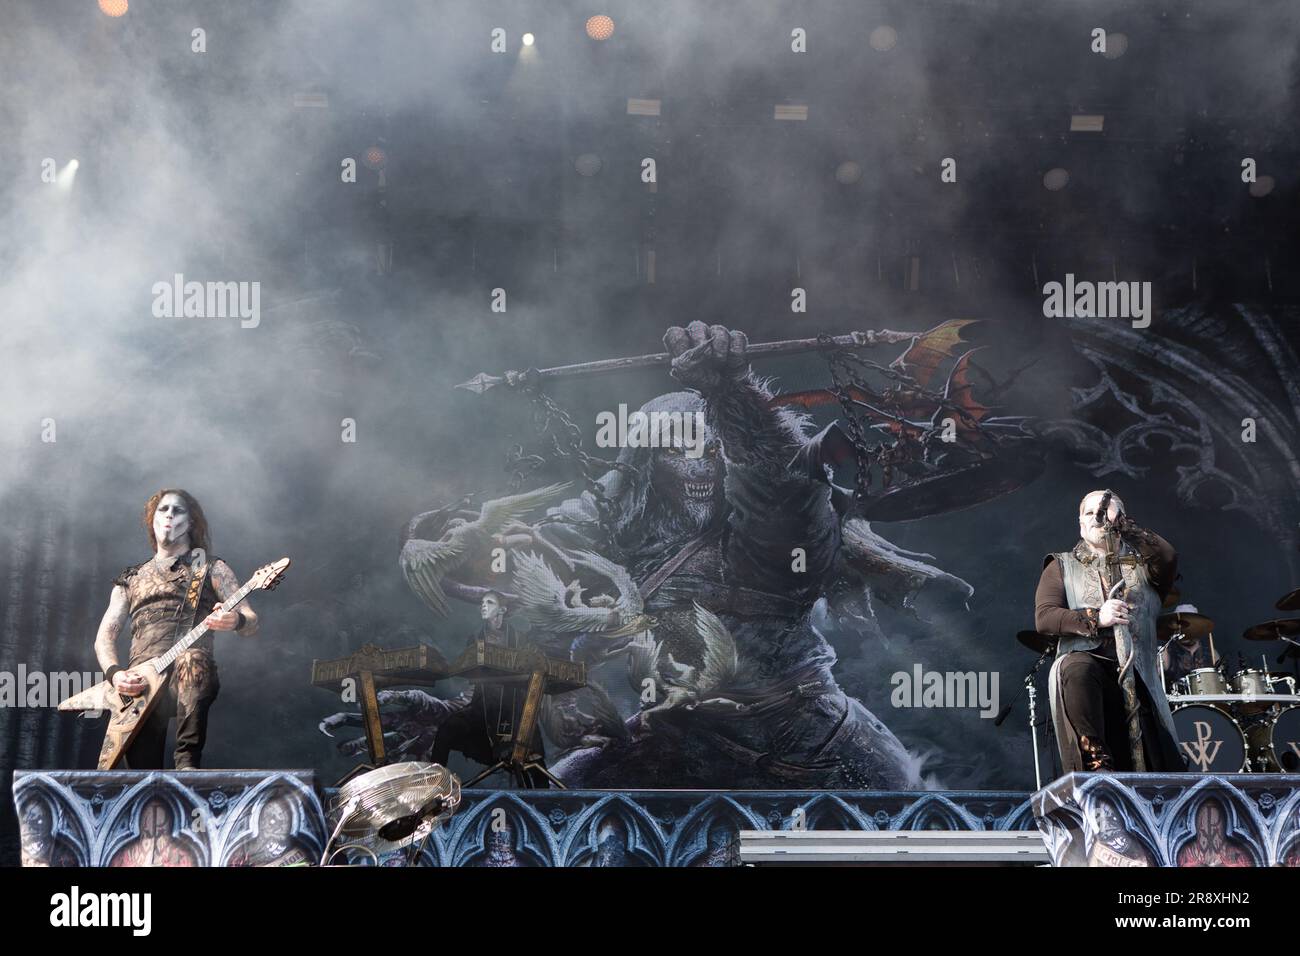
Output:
x=225 y=584
x=110 y=628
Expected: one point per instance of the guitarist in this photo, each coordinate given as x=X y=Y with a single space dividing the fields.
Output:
x=163 y=598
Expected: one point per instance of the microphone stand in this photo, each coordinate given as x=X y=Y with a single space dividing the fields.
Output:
x=1160 y=656
x=1029 y=686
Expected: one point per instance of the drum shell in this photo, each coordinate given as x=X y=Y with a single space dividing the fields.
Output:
x=1275 y=742
x=1205 y=680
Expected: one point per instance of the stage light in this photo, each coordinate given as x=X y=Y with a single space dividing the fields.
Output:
x=848 y=173
x=375 y=158
x=528 y=39
x=1056 y=179
x=1087 y=122
x=638 y=107
x=588 y=164
x=883 y=38
x=1116 y=45
x=600 y=27
x=63 y=181
x=790 y=111
x=113 y=8
x=1262 y=186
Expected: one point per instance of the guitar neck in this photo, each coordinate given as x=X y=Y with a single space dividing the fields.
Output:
x=165 y=660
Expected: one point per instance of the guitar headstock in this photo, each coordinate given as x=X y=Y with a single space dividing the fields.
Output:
x=268 y=575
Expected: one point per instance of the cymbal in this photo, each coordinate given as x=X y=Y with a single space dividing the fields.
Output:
x=1036 y=642
x=1289 y=602
x=1273 y=630
x=1192 y=626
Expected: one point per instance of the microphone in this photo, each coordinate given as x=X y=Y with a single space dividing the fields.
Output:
x=1102 y=508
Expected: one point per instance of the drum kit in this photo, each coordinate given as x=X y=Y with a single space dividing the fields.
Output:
x=1248 y=722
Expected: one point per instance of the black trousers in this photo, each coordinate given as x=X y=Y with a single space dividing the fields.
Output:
x=467 y=732
x=189 y=705
x=1094 y=704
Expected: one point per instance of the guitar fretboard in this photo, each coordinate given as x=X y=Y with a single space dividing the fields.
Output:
x=165 y=660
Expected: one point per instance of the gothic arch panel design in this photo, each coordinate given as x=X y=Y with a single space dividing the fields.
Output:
x=935 y=811
x=172 y=812
x=708 y=835
x=281 y=809
x=501 y=830
x=1213 y=817
x=54 y=825
x=829 y=811
x=1115 y=819
x=614 y=831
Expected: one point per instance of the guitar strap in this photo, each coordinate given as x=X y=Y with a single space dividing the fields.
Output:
x=193 y=589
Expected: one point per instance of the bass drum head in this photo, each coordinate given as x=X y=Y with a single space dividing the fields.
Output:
x=1286 y=740
x=1209 y=739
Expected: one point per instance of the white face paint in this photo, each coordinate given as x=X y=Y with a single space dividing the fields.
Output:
x=490 y=610
x=171 y=522
x=1089 y=530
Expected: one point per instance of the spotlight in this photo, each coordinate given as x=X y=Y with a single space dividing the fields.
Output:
x=528 y=39
x=63 y=181
x=848 y=173
x=1056 y=179
x=883 y=38
x=1260 y=187
x=375 y=158
x=1116 y=45
x=113 y=8
x=600 y=27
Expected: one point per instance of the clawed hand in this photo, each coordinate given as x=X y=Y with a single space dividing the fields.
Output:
x=707 y=356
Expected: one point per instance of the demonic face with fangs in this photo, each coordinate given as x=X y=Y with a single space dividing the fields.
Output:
x=689 y=491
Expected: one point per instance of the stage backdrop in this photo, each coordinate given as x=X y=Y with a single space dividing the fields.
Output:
x=502 y=223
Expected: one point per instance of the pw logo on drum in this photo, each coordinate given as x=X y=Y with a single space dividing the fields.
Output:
x=1200 y=753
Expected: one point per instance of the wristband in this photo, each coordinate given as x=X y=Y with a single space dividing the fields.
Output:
x=112 y=671
x=242 y=621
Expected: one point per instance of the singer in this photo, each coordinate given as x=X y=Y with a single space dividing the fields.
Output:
x=1100 y=600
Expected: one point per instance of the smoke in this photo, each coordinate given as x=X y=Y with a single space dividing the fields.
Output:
x=375 y=299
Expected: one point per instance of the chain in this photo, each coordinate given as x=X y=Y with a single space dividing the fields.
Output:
x=563 y=437
x=841 y=368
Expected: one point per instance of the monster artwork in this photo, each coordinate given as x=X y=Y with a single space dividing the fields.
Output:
x=411 y=721
x=702 y=571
